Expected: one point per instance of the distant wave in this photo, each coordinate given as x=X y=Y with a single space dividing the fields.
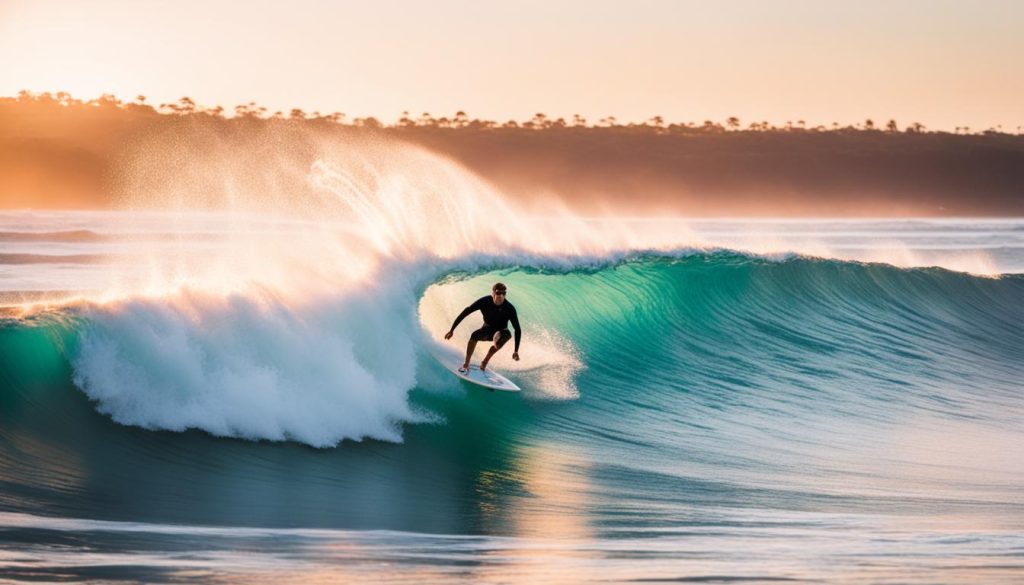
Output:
x=62 y=236
x=90 y=236
x=54 y=259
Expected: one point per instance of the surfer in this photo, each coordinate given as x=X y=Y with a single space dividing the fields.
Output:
x=497 y=312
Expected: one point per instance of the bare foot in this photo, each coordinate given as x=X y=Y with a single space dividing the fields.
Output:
x=464 y=369
x=490 y=353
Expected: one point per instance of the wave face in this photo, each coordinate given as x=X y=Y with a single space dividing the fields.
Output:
x=822 y=384
x=716 y=394
x=793 y=373
x=272 y=383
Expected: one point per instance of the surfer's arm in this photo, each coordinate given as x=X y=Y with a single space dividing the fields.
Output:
x=465 y=313
x=519 y=331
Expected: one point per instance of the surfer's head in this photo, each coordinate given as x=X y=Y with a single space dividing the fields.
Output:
x=498 y=292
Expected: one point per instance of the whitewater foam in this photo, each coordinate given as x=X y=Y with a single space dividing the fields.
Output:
x=251 y=366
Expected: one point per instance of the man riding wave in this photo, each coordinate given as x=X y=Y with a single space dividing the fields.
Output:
x=498 y=313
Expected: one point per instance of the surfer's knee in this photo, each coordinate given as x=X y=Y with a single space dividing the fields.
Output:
x=501 y=338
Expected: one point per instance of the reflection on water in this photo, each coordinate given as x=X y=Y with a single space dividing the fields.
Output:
x=542 y=492
x=748 y=546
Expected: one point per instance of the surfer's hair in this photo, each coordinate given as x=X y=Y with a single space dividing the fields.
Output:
x=498 y=286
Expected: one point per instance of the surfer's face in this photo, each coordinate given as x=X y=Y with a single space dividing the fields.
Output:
x=498 y=296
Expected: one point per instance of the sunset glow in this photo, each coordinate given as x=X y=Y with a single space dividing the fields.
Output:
x=511 y=292
x=944 y=64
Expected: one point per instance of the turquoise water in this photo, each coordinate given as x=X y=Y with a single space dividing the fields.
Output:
x=697 y=415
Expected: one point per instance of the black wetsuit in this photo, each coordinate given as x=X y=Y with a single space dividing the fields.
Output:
x=496 y=318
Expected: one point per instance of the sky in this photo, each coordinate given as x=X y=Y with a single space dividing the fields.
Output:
x=942 y=63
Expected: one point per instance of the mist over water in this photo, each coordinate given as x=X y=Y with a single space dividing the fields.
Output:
x=247 y=358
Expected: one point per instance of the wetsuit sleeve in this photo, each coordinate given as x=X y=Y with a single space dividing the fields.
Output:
x=519 y=332
x=466 y=312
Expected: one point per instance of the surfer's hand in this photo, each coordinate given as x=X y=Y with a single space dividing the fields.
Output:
x=515 y=355
x=449 y=335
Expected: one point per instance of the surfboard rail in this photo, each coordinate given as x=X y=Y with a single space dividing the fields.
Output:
x=488 y=379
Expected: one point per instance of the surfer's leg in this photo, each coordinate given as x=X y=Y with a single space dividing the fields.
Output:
x=481 y=334
x=500 y=338
x=490 y=352
x=470 y=348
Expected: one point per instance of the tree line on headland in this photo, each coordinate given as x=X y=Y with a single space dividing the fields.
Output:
x=186 y=106
x=58 y=151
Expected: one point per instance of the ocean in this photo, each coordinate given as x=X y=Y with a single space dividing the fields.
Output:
x=256 y=396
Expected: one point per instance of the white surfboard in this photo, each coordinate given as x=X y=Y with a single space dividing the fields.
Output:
x=488 y=379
